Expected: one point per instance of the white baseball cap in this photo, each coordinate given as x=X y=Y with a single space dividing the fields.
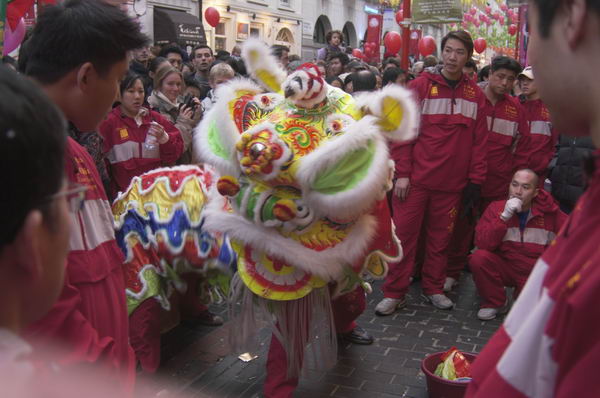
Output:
x=527 y=72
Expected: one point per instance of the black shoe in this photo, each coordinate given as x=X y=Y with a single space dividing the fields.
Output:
x=358 y=336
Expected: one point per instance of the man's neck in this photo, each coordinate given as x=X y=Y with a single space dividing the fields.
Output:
x=491 y=95
x=203 y=74
x=533 y=97
x=454 y=77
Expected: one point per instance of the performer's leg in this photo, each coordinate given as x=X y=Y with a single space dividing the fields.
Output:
x=277 y=384
x=144 y=334
x=488 y=269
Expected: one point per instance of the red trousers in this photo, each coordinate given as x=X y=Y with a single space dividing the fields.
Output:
x=492 y=273
x=146 y=322
x=345 y=308
x=462 y=240
x=439 y=210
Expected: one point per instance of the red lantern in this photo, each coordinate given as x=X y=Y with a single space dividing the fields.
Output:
x=476 y=23
x=514 y=18
x=473 y=11
x=357 y=53
x=427 y=46
x=212 y=16
x=465 y=25
x=501 y=20
x=481 y=17
x=480 y=45
x=468 y=17
x=488 y=9
x=393 y=42
x=399 y=17
x=503 y=7
x=512 y=29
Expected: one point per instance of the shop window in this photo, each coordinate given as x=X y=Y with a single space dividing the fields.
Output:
x=220 y=37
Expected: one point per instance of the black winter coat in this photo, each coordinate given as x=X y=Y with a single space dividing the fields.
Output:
x=568 y=176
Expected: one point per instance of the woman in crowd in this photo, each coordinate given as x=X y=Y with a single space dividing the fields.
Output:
x=168 y=100
x=136 y=140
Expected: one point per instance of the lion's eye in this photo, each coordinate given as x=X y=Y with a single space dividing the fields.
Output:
x=257 y=149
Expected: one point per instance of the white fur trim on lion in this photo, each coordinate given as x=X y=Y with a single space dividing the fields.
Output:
x=262 y=65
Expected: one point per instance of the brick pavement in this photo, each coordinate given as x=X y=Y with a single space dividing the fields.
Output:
x=195 y=361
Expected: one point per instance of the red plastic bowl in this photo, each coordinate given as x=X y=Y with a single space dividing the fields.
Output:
x=439 y=387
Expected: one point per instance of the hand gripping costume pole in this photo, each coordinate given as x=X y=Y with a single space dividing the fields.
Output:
x=300 y=166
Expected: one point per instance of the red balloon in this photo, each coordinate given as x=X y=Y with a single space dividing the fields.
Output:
x=488 y=9
x=482 y=17
x=514 y=18
x=501 y=20
x=357 y=53
x=476 y=23
x=465 y=25
x=399 y=17
x=512 y=29
x=480 y=45
x=473 y=11
x=468 y=17
x=212 y=16
x=393 y=42
x=503 y=7
x=427 y=46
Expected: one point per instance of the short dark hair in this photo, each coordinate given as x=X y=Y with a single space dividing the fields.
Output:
x=390 y=60
x=155 y=63
x=32 y=145
x=78 y=31
x=331 y=79
x=7 y=59
x=341 y=56
x=548 y=8
x=363 y=80
x=223 y=55
x=390 y=75
x=278 y=50
x=190 y=81
x=508 y=63
x=462 y=36
x=484 y=72
x=330 y=34
x=471 y=64
x=198 y=47
x=170 y=49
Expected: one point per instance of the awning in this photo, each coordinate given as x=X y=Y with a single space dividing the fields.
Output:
x=174 y=26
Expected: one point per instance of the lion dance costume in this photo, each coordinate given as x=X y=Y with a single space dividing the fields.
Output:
x=283 y=203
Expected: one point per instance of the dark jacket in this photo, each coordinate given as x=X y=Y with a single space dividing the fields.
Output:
x=142 y=71
x=568 y=182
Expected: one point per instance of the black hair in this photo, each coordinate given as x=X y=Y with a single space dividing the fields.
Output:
x=390 y=60
x=483 y=73
x=390 y=75
x=508 y=63
x=278 y=50
x=223 y=55
x=198 y=47
x=32 y=145
x=238 y=66
x=74 y=32
x=339 y=55
x=547 y=12
x=356 y=65
x=331 y=79
x=190 y=81
x=471 y=64
x=462 y=36
x=363 y=80
x=169 y=49
x=8 y=60
x=129 y=80
x=155 y=63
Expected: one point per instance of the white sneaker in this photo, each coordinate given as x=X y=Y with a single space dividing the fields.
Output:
x=487 y=314
x=449 y=284
x=388 y=306
x=440 y=301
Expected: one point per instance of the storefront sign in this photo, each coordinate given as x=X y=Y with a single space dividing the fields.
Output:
x=242 y=31
x=436 y=11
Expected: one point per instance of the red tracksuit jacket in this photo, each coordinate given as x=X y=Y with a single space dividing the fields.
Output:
x=508 y=145
x=543 y=136
x=124 y=146
x=451 y=147
x=548 y=345
x=90 y=320
x=520 y=248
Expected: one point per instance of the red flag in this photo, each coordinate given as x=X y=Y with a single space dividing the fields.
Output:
x=16 y=10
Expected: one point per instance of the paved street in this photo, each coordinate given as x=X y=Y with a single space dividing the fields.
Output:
x=195 y=360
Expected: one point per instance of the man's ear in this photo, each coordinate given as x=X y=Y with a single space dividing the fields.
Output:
x=27 y=246
x=576 y=12
x=85 y=74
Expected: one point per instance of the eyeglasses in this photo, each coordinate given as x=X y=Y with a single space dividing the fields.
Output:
x=75 y=196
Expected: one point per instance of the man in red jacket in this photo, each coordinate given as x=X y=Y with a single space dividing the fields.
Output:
x=444 y=163
x=507 y=151
x=510 y=237
x=543 y=136
x=78 y=54
x=548 y=345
